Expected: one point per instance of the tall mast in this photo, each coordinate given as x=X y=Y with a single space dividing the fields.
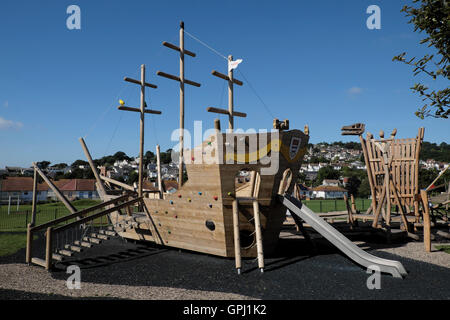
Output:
x=142 y=110
x=231 y=81
x=182 y=81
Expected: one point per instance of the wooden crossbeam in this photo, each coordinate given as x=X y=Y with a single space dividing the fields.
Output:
x=223 y=111
x=172 y=77
x=142 y=112
x=174 y=47
x=227 y=78
x=138 y=110
x=146 y=84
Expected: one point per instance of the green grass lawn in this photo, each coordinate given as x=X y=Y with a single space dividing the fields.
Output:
x=319 y=206
x=445 y=248
x=10 y=243
x=18 y=220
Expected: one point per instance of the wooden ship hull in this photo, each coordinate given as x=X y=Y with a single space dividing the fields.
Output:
x=199 y=215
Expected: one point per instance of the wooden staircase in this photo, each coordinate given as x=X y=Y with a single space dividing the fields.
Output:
x=79 y=231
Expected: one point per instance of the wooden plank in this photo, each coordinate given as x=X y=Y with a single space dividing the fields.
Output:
x=39 y=262
x=174 y=47
x=172 y=77
x=223 y=111
x=225 y=77
x=140 y=83
x=138 y=110
x=60 y=196
x=118 y=183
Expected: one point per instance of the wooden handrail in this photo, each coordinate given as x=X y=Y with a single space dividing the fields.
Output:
x=96 y=215
x=77 y=214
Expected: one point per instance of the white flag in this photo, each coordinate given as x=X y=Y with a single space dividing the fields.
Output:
x=233 y=64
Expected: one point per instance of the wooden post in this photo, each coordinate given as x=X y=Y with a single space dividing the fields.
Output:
x=180 y=164
x=259 y=240
x=48 y=249
x=29 y=244
x=93 y=168
x=142 y=110
x=182 y=81
x=158 y=165
x=33 y=210
x=352 y=199
x=416 y=171
x=60 y=196
x=141 y=136
x=426 y=221
x=369 y=173
x=349 y=210
x=217 y=124
x=237 y=241
x=230 y=96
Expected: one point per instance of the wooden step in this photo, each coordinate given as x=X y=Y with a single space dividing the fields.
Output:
x=66 y=253
x=108 y=233
x=57 y=257
x=39 y=262
x=83 y=244
x=99 y=236
x=73 y=248
x=92 y=240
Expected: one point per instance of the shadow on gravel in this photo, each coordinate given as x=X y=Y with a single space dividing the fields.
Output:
x=295 y=271
x=7 y=294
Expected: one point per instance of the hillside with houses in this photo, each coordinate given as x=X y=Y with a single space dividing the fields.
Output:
x=329 y=171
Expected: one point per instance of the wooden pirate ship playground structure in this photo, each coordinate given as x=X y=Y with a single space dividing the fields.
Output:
x=213 y=212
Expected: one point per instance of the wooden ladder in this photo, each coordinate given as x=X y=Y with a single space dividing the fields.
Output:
x=258 y=232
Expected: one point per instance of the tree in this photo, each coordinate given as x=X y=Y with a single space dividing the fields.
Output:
x=43 y=164
x=78 y=163
x=432 y=17
x=326 y=173
x=364 y=188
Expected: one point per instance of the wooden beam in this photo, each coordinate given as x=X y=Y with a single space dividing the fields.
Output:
x=174 y=47
x=225 y=77
x=33 y=208
x=138 y=110
x=55 y=190
x=426 y=221
x=237 y=241
x=118 y=183
x=48 y=248
x=97 y=215
x=259 y=240
x=93 y=167
x=139 y=83
x=29 y=244
x=223 y=111
x=158 y=166
x=79 y=213
x=172 y=77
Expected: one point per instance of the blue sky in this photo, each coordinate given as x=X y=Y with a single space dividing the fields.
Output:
x=313 y=62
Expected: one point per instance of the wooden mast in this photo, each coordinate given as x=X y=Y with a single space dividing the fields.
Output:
x=182 y=81
x=230 y=112
x=142 y=110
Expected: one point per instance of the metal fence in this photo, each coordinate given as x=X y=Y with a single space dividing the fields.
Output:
x=18 y=220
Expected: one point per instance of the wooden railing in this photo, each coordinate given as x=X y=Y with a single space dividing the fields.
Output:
x=53 y=227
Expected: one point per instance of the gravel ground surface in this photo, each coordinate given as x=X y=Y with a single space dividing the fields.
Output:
x=119 y=270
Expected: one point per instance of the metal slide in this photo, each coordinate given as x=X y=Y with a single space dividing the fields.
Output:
x=395 y=268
